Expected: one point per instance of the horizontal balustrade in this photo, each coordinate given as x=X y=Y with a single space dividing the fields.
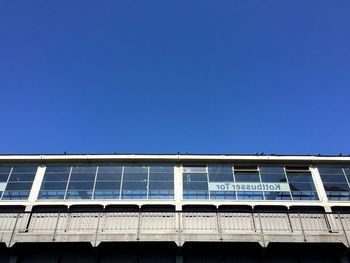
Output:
x=178 y=227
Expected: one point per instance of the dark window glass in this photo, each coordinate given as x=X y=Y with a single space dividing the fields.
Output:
x=277 y=195
x=135 y=176
x=21 y=177
x=54 y=186
x=5 y=169
x=161 y=186
x=250 y=195
x=161 y=177
x=300 y=177
x=84 y=169
x=333 y=178
x=111 y=185
x=110 y=169
x=190 y=194
x=134 y=185
x=220 y=177
x=304 y=195
x=78 y=195
x=80 y=185
x=196 y=186
x=331 y=170
x=15 y=195
x=221 y=195
x=82 y=177
x=271 y=170
x=273 y=178
x=56 y=177
x=247 y=177
x=162 y=169
x=51 y=194
x=336 y=187
x=109 y=176
x=110 y=194
x=24 y=169
x=301 y=187
x=196 y=177
x=57 y=169
x=136 y=169
x=3 y=177
x=18 y=186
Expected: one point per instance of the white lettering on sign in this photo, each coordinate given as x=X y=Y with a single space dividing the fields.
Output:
x=228 y=186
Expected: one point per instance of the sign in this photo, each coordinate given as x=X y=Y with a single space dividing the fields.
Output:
x=229 y=186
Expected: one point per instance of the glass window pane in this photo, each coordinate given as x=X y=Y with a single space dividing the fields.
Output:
x=273 y=178
x=24 y=169
x=79 y=195
x=304 y=196
x=336 y=187
x=194 y=169
x=222 y=195
x=195 y=177
x=301 y=187
x=161 y=177
x=57 y=169
x=277 y=195
x=250 y=195
x=162 y=169
x=5 y=169
x=82 y=177
x=111 y=185
x=54 y=186
x=134 y=185
x=110 y=169
x=247 y=177
x=196 y=186
x=51 y=195
x=102 y=176
x=18 y=186
x=299 y=177
x=136 y=169
x=219 y=169
x=331 y=170
x=221 y=177
x=15 y=195
x=161 y=186
x=135 y=176
x=84 y=169
x=271 y=170
x=191 y=194
x=4 y=177
x=80 y=185
x=21 y=177
x=56 y=177
x=108 y=194
x=333 y=178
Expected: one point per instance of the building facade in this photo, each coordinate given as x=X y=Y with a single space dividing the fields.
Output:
x=180 y=199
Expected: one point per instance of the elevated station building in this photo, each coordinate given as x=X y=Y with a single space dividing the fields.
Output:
x=174 y=208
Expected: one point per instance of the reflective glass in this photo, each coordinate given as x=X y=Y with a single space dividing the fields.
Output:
x=19 y=186
x=15 y=195
x=84 y=169
x=24 y=169
x=301 y=187
x=299 y=177
x=273 y=178
x=162 y=168
x=51 y=194
x=3 y=177
x=194 y=169
x=190 y=194
x=110 y=194
x=57 y=169
x=250 y=195
x=219 y=169
x=82 y=177
x=54 y=177
x=161 y=177
x=136 y=169
x=271 y=170
x=5 y=169
x=196 y=177
x=196 y=186
x=21 y=177
x=222 y=195
x=277 y=195
x=330 y=170
x=336 y=187
x=79 y=195
x=134 y=185
x=135 y=176
x=304 y=195
x=80 y=185
x=54 y=186
x=247 y=177
x=111 y=185
x=161 y=186
x=103 y=176
x=110 y=169
x=221 y=177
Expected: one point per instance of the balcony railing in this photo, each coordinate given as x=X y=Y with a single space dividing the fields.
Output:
x=178 y=227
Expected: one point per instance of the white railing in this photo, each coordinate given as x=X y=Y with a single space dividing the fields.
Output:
x=180 y=227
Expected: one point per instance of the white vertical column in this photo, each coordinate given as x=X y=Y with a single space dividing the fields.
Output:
x=34 y=192
x=319 y=185
x=178 y=190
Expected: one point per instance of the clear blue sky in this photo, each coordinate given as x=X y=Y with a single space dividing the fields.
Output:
x=175 y=76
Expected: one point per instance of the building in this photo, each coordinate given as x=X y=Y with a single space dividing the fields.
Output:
x=174 y=208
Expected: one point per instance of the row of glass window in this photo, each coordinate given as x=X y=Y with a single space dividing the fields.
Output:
x=156 y=181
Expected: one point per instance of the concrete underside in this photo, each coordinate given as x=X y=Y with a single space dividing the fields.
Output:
x=130 y=252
